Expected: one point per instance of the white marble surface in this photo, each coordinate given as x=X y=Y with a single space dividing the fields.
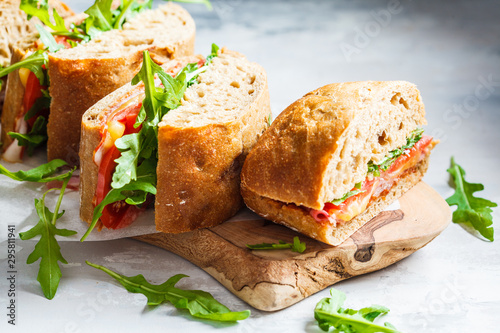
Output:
x=447 y=48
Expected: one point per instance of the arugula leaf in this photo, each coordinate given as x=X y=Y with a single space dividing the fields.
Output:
x=200 y=304
x=130 y=193
x=346 y=196
x=383 y=165
x=33 y=62
x=40 y=174
x=471 y=211
x=47 y=248
x=296 y=246
x=100 y=15
x=134 y=176
x=48 y=40
x=40 y=9
x=36 y=136
x=329 y=313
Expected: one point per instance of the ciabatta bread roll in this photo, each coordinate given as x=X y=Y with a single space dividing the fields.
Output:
x=202 y=143
x=82 y=75
x=14 y=25
x=327 y=146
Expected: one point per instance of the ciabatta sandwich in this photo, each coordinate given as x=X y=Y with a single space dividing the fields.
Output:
x=91 y=64
x=206 y=121
x=337 y=157
x=14 y=24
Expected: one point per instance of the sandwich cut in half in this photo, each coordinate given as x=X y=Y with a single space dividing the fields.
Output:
x=337 y=157
x=85 y=62
x=14 y=24
x=180 y=132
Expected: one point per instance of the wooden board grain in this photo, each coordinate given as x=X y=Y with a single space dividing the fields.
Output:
x=273 y=280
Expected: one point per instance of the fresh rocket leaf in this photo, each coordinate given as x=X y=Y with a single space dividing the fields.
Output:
x=471 y=211
x=33 y=62
x=40 y=104
x=125 y=172
x=100 y=16
x=36 y=136
x=40 y=174
x=48 y=40
x=136 y=189
x=296 y=246
x=47 y=248
x=383 y=165
x=200 y=304
x=330 y=314
x=346 y=196
x=40 y=9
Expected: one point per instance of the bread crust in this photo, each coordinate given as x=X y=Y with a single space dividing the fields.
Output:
x=299 y=219
x=325 y=140
x=79 y=82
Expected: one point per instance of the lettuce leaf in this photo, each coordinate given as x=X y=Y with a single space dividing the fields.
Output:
x=471 y=211
x=330 y=314
x=40 y=174
x=200 y=304
x=47 y=249
x=35 y=138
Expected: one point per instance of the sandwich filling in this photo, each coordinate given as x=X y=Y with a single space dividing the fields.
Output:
x=30 y=125
x=380 y=179
x=127 y=154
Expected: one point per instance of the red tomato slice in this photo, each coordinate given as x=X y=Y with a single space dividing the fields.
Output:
x=32 y=92
x=414 y=151
x=119 y=214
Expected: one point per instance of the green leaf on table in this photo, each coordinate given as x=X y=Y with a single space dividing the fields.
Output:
x=296 y=246
x=40 y=174
x=471 y=211
x=47 y=249
x=200 y=304
x=330 y=314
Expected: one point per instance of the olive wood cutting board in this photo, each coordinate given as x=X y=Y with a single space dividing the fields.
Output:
x=275 y=279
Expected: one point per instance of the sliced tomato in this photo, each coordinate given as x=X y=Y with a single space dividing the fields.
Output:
x=32 y=92
x=414 y=153
x=119 y=214
x=63 y=40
